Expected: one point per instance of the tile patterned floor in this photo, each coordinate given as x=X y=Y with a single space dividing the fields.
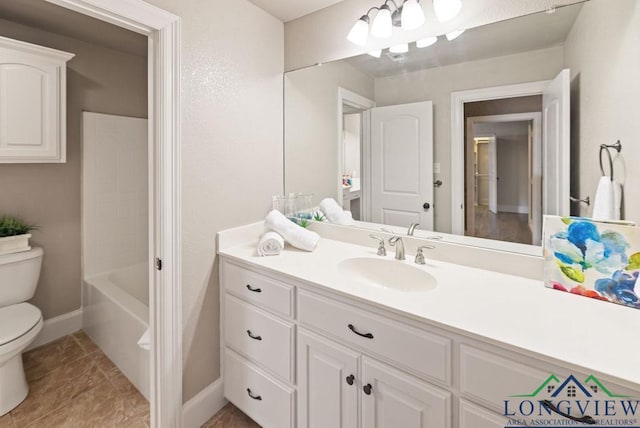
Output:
x=230 y=417
x=72 y=384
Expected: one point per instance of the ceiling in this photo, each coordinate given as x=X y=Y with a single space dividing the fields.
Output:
x=56 y=19
x=288 y=10
x=527 y=33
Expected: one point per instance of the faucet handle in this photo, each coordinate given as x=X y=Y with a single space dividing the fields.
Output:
x=382 y=251
x=420 y=255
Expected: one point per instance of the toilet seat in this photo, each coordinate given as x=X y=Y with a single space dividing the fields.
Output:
x=17 y=320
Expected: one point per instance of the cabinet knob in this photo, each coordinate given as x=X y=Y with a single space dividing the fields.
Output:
x=367 y=389
x=350 y=379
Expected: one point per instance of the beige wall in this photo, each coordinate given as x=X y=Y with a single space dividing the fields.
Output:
x=311 y=126
x=602 y=52
x=437 y=84
x=99 y=80
x=232 y=64
x=321 y=36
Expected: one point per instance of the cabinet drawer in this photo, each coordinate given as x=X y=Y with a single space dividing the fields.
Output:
x=259 y=336
x=262 y=399
x=258 y=289
x=472 y=416
x=490 y=379
x=417 y=351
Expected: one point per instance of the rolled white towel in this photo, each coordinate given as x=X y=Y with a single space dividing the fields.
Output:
x=271 y=244
x=334 y=213
x=295 y=235
x=145 y=340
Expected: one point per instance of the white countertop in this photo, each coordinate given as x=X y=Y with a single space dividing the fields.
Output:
x=515 y=311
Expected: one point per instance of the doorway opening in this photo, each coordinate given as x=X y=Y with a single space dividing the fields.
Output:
x=502 y=190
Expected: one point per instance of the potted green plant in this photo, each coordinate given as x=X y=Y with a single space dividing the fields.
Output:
x=14 y=235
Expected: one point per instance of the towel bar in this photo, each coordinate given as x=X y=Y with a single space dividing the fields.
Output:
x=618 y=147
x=586 y=200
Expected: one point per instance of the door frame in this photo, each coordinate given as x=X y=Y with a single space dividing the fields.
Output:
x=458 y=99
x=165 y=296
x=352 y=99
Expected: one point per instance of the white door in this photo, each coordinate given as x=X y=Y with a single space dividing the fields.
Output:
x=493 y=175
x=392 y=399
x=328 y=383
x=556 y=144
x=402 y=164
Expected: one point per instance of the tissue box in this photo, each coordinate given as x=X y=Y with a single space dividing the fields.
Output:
x=590 y=258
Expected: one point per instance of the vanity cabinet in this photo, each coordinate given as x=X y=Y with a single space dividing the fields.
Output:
x=297 y=355
x=32 y=103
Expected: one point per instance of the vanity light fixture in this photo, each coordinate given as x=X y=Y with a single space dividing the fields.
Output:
x=446 y=10
x=376 y=53
x=382 y=23
x=360 y=30
x=425 y=43
x=454 y=34
x=401 y=48
x=412 y=15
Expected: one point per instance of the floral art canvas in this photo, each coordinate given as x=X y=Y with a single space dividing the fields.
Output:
x=593 y=259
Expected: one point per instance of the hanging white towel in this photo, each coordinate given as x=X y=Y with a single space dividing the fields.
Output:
x=145 y=340
x=334 y=213
x=608 y=199
x=295 y=235
x=271 y=244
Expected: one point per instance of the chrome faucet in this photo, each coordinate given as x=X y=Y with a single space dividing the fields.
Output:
x=412 y=228
x=420 y=255
x=382 y=251
x=396 y=241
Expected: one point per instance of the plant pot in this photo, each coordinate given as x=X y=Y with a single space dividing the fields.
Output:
x=14 y=244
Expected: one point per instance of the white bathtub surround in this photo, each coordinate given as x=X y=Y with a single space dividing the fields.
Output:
x=295 y=235
x=270 y=244
x=114 y=192
x=115 y=317
x=334 y=213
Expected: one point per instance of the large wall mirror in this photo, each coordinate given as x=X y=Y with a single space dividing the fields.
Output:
x=478 y=136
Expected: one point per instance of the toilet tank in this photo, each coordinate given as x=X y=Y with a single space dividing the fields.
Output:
x=19 y=273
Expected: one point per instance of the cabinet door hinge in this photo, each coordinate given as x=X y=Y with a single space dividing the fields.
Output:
x=158 y=263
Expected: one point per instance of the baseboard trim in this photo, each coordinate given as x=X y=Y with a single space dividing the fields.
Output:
x=57 y=327
x=204 y=405
x=517 y=209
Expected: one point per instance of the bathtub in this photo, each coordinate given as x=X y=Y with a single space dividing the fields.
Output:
x=115 y=315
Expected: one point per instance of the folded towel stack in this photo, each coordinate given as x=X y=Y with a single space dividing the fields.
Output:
x=608 y=200
x=295 y=235
x=334 y=213
x=270 y=244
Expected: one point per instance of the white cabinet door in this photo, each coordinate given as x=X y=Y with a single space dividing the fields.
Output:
x=392 y=399
x=328 y=383
x=32 y=103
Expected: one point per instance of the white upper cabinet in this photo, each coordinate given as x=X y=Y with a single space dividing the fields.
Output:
x=33 y=92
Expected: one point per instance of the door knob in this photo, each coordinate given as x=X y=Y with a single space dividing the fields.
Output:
x=426 y=205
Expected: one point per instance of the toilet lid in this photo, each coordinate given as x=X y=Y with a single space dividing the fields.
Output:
x=17 y=320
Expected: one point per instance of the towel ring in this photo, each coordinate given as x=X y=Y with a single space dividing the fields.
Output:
x=605 y=147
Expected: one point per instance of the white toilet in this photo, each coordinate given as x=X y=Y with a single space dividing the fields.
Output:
x=20 y=322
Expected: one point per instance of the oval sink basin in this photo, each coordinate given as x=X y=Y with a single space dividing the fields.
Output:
x=392 y=274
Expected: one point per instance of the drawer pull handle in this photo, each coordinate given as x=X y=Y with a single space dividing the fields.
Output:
x=584 y=419
x=252 y=336
x=366 y=335
x=350 y=379
x=255 y=397
x=367 y=389
x=255 y=290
